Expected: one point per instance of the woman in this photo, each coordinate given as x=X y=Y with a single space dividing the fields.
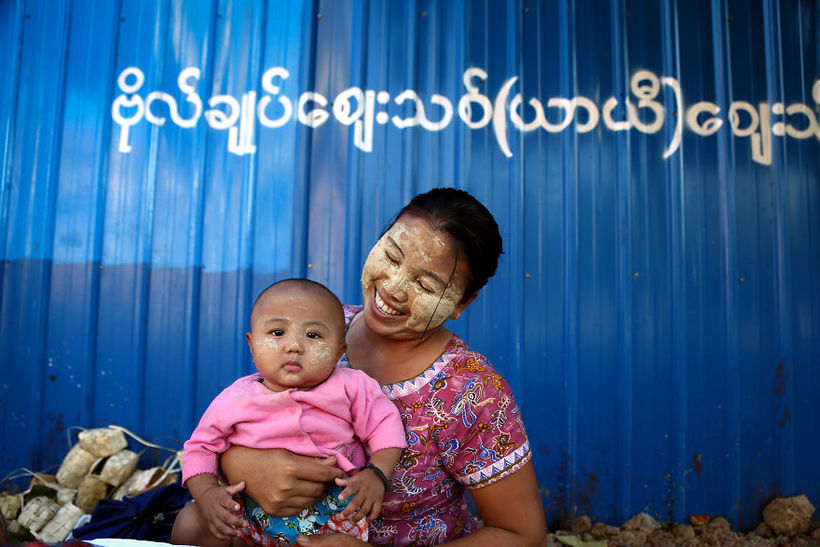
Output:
x=463 y=428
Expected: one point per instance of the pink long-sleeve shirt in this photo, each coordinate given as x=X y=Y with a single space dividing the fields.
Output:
x=334 y=418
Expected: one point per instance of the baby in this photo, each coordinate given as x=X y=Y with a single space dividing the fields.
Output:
x=298 y=400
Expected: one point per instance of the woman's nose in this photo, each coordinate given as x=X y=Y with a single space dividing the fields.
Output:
x=396 y=285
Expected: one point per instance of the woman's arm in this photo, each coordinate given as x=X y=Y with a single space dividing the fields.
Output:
x=281 y=482
x=510 y=508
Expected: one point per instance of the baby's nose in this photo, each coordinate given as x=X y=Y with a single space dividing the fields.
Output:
x=294 y=344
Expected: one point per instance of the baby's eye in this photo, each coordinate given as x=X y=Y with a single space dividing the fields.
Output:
x=278 y=332
x=314 y=335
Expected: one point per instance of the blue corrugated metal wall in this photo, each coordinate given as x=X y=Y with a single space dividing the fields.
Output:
x=654 y=311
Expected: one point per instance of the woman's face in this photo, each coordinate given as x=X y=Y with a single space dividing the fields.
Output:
x=409 y=282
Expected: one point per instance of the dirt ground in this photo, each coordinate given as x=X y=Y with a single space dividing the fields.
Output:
x=715 y=532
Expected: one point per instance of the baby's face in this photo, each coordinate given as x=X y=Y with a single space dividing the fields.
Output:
x=295 y=338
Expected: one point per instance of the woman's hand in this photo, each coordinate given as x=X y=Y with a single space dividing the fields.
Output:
x=281 y=482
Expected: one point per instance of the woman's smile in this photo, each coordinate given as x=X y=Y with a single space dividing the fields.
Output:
x=383 y=307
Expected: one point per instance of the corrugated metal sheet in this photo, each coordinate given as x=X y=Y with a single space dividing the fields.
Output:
x=653 y=166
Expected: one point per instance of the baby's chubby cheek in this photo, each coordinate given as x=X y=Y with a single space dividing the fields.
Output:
x=322 y=351
x=266 y=344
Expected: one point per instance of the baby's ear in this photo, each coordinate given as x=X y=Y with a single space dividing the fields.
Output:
x=248 y=339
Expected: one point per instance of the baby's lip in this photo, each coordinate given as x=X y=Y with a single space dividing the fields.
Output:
x=292 y=366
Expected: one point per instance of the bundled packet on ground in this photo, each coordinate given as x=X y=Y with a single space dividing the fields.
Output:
x=76 y=465
x=90 y=491
x=65 y=495
x=142 y=480
x=37 y=512
x=10 y=505
x=58 y=528
x=119 y=467
x=103 y=442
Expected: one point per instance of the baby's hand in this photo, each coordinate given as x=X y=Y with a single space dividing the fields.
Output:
x=221 y=511
x=367 y=490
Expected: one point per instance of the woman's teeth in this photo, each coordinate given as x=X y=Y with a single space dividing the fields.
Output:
x=384 y=308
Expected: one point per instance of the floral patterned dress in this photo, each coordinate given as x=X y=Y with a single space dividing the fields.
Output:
x=464 y=430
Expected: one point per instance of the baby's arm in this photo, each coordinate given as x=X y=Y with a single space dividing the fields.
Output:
x=367 y=488
x=216 y=504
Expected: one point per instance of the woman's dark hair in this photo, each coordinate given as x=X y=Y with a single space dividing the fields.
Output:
x=469 y=224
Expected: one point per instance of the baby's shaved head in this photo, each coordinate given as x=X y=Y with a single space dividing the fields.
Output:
x=323 y=295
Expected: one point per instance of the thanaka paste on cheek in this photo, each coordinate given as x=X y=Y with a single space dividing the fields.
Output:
x=268 y=343
x=321 y=353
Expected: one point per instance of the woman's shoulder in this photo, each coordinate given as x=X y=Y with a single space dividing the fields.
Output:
x=463 y=361
x=350 y=312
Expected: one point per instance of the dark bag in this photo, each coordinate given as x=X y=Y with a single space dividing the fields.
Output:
x=148 y=516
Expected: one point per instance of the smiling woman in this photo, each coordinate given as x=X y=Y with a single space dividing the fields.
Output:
x=463 y=428
x=411 y=280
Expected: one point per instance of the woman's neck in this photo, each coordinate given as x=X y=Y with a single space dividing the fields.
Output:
x=388 y=360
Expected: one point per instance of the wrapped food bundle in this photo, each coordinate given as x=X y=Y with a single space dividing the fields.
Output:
x=61 y=524
x=103 y=442
x=143 y=480
x=37 y=512
x=76 y=465
x=10 y=505
x=119 y=467
x=90 y=491
x=99 y=466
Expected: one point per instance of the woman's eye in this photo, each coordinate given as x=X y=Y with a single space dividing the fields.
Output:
x=391 y=259
x=424 y=287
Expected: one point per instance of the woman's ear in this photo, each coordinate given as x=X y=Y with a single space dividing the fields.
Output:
x=464 y=303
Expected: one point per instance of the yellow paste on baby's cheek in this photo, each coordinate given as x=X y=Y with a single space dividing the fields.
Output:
x=321 y=353
x=267 y=343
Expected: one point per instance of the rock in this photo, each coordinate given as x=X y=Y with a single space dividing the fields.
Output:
x=683 y=532
x=580 y=525
x=598 y=530
x=642 y=522
x=789 y=516
x=720 y=523
x=660 y=538
x=630 y=538
x=763 y=530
